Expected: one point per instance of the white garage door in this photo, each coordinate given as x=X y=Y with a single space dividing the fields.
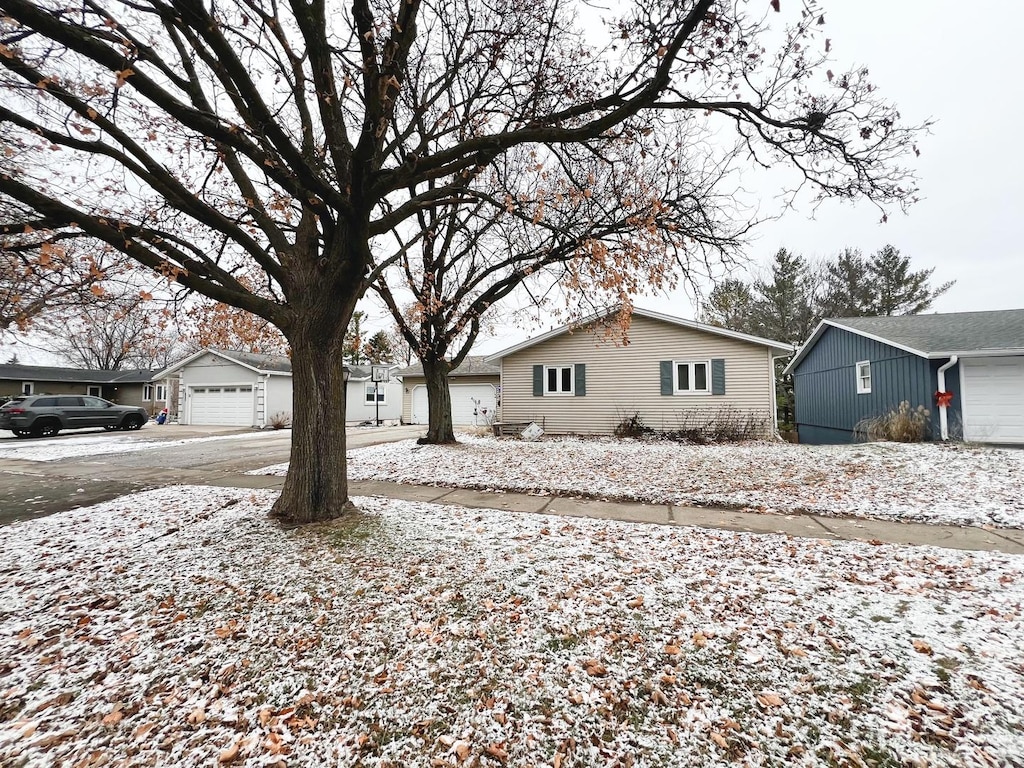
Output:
x=471 y=404
x=993 y=399
x=221 y=405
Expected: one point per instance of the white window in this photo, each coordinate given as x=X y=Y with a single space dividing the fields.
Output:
x=26 y=387
x=94 y=391
x=147 y=392
x=864 y=377
x=380 y=396
x=558 y=380
x=692 y=376
x=161 y=392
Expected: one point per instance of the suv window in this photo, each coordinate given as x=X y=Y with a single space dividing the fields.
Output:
x=69 y=402
x=44 y=402
x=95 y=402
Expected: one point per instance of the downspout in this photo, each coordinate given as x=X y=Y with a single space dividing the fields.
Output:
x=941 y=375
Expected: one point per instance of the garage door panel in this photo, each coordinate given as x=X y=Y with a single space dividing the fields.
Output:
x=471 y=404
x=993 y=399
x=227 y=405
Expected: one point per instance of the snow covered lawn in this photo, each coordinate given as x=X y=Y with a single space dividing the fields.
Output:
x=949 y=484
x=180 y=627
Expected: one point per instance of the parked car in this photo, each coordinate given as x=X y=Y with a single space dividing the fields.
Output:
x=46 y=415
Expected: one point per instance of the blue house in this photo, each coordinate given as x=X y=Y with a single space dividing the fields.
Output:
x=965 y=368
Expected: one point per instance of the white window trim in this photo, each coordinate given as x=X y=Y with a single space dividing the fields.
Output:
x=368 y=393
x=147 y=392
x=161 y=392
x=691 y=364
x=861 y=389
x=560 y=392
x=89 y=390
x=28 y=388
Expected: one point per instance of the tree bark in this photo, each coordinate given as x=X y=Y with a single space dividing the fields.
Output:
x=316 y=487
x=439 y=403
x=325 y=285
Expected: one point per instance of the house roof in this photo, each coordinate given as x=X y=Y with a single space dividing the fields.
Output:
x=19 y=372
x=775 y=346
x=269 y=364
x=473 y=365
x=966 y=334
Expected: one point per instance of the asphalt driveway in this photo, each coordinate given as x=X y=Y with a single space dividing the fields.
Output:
x=98 y=467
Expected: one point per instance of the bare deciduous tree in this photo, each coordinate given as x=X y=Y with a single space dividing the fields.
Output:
x=206 y=141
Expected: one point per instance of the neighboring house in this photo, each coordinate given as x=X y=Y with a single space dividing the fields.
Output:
x=672 y=374
x=366 y=400
x=857 y=368
x=474 y=388
x=232 y=388
x=134 y=387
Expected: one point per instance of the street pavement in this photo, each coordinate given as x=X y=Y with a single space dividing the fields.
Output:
x=29 y=489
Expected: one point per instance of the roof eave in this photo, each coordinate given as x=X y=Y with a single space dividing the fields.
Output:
x=775 y=346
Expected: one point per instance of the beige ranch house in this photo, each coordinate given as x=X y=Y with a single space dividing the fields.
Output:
x=672 y=373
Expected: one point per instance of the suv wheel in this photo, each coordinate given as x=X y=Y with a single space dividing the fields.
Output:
x=22 y=433
x=45 y=428
x=132 y=422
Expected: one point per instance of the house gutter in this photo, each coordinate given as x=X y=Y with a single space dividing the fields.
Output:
x=941 y=376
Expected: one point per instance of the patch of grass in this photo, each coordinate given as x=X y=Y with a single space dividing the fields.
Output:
x=886 y=619
x=353 y=528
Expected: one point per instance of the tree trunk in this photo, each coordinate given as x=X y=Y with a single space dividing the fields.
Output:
x=439 y=403
x=316 y=487
x=322 y=284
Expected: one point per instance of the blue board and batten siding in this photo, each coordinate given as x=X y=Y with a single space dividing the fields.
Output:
x=828 y=407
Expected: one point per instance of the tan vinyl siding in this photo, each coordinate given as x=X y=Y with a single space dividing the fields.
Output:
x=409 y=383
x=625 y=380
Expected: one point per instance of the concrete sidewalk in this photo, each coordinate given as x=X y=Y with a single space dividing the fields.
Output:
x=1010 y=541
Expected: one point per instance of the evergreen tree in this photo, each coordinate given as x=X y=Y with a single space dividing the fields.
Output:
x=896 y=290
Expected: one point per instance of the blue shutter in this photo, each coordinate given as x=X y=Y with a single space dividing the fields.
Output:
x=538 y=380
x=580 y=384
x=667 y=387
x=718 y=376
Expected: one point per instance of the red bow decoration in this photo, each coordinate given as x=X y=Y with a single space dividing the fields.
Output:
x=943 y=399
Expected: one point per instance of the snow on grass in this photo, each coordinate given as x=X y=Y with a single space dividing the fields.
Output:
x=92 y=444
x=932 y=483
x=180 y=627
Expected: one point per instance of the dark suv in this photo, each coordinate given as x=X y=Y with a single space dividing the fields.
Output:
x=46 y=415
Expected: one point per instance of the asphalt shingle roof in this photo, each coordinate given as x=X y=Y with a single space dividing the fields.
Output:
x=19 y=372
x=952 y=332
x=473 y=365
x=279 y=363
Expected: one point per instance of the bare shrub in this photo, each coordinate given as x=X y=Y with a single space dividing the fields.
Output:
x=702 y=426
x=280 y=420
x=903 y=425
x=632 y=426
x=719 y=425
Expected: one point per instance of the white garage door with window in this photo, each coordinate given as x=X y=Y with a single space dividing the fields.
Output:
x=993 y=399
x=222 y=405
x=472 y=404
